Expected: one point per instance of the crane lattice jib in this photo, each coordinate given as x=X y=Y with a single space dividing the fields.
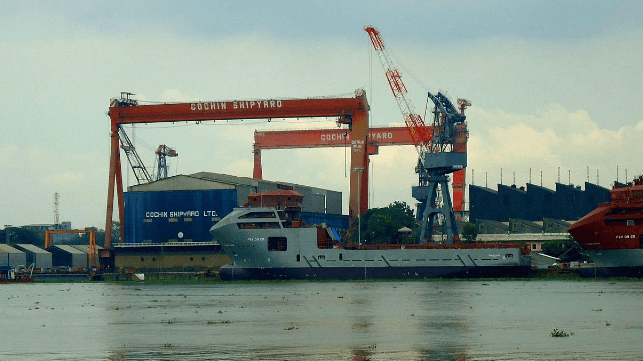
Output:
x=420 y=134
x=140 y=172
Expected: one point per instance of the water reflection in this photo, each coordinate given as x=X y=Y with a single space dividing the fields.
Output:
x=323 y=321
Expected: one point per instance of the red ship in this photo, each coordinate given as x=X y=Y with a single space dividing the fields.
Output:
x=612 y=233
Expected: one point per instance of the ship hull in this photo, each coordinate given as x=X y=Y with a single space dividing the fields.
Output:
x=232 y=273
x=614 y=263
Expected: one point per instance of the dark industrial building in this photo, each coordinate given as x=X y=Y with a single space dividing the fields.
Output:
x=40 y=258
x=12 y=257
x=536 y=203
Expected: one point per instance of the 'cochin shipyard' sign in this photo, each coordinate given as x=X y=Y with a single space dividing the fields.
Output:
x=180 y=214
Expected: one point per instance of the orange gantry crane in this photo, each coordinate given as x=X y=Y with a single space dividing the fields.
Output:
x=351 y=111
x=319 y=138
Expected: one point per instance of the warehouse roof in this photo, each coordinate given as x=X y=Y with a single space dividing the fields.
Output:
x=31 y=248
x=68 y=249
x=85 y=248
x=5 y=248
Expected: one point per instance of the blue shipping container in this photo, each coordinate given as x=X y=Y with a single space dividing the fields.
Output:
x=175 y=216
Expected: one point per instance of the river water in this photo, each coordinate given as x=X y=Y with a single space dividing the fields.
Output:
x=434 y=320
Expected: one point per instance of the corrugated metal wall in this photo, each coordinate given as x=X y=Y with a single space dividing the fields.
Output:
x=566 y=202
x=174 y=216
x=10 y=256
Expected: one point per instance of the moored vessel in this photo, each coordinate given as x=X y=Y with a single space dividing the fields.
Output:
x=611 y=235
x=267 y=240
x=10 y=274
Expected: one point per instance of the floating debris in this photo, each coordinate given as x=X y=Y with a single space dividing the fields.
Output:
x=559 y=333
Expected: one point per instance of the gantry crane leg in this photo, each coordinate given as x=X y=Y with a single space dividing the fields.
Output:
x=429 y=208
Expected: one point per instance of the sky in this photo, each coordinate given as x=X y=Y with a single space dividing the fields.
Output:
x=555 y=87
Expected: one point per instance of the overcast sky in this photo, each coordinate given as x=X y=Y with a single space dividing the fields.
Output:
x=553 y=84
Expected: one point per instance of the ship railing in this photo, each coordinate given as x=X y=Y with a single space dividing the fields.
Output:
x=128 y=245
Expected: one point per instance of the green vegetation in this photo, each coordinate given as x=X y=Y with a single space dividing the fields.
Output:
x=17 y=235
x=381 y=225
x=560 y=333
x=469 y=232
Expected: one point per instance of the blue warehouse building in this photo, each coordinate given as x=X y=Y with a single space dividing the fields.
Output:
x=183 y=208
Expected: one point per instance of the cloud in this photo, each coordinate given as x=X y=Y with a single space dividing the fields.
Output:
x=557 y=138
x=539 y=104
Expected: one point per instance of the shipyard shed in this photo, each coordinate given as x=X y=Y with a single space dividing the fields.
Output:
x=536 y=203
x=12 y=257
x=85 y=249
x=40 y=258
x=183 y=208
x=68 y=256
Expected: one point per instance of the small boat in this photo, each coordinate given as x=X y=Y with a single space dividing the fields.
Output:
x=10 y=274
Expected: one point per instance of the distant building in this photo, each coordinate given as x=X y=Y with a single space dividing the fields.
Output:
x=536 y=203
x=12 y=257
x=40 y=258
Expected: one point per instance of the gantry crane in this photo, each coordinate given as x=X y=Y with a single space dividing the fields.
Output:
x=351 y=111
x=162 y=152
x=318 y=138
x=439 y=148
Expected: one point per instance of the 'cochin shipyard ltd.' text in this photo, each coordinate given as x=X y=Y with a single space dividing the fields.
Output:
x=178 y=214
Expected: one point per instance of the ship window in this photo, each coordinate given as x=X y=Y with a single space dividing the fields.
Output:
x=630 y=222
x=258 y=215
x=258 y=225
x=340 y=257
x=298 y=258
x=277 y=244
x=510 y=255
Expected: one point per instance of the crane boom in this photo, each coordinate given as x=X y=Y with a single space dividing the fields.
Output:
x=416 y=126
x=440 y=149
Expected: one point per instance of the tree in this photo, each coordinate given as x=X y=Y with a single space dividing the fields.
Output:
x=469 y=232
x=381 y=225
x=22 y=235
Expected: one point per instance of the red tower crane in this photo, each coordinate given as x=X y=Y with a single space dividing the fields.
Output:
x=352 y=111
x=438 y=148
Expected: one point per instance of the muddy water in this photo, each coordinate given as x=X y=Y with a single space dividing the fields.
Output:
x=459 y=320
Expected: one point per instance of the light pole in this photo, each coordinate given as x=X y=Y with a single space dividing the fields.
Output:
x=359 y=204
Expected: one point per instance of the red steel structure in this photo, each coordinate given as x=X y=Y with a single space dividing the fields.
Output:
x=420 y=133
x=319 y=138
x=350 y=111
